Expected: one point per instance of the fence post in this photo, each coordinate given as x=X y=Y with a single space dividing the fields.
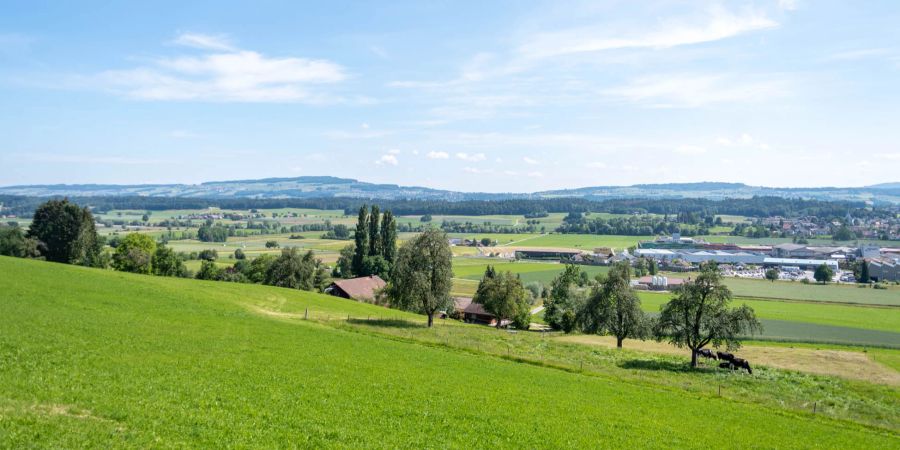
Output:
x=306 y=314
x=348 y=317
x=814 y=407
x=720 y=390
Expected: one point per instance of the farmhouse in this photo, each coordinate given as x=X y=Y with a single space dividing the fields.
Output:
x=359 y=289
x=475 y=313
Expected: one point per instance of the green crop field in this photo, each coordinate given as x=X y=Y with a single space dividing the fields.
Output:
x=870 y=318
x=473 y=269
x=587 y=242
x=814 y=322
x=92 y=358
x=843 y=293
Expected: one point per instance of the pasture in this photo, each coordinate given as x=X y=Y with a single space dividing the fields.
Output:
x=832 y=292
x=473 y=269
x=98 y=358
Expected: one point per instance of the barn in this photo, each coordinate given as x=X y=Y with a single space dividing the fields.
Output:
x=361 y=289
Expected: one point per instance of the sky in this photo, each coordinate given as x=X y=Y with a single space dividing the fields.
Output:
x=499 y=96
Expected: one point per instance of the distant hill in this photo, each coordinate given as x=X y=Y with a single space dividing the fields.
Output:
x=330 y=187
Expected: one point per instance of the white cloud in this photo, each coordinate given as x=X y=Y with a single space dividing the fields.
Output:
x=474 y=157
x=535 y=174
x=204 y=41
x=596 y=165
x=394 y=151
x=437 y=155
x=529 y=160
x=364 y=126
x=477 y=170
x=718 y=24
x=698 y=90
x=387 y=159
x=224 y=74
x=690 y=150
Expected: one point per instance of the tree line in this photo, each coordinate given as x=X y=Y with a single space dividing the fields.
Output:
x=762 y=206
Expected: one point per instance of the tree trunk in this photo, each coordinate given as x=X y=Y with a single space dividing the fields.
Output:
x=430 y=319
x=619 y=342
x=693 y=358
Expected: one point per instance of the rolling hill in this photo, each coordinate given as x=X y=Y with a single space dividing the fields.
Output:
x=330 y=187
x=92 y=358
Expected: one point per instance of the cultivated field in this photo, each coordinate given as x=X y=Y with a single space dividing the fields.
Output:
x=100 y=358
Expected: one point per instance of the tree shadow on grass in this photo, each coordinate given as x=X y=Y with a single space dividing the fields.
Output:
x=661 y=365
x=387 y=323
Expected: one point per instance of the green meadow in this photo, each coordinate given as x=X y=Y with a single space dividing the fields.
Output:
x=92 y=358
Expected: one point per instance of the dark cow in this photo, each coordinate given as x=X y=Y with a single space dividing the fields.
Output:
x=707 y=353
x=725 y=356
x=725 y=365
x=738 y=363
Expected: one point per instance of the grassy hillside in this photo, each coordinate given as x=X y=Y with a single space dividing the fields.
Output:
x=92 y=358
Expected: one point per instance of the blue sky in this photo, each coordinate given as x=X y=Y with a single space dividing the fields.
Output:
x=472 y=96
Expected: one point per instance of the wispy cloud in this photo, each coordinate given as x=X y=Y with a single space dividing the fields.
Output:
x=224 y=74
x=695 y=90
x=718 y=24
x=528 y=160
x=438 y=155
x=204 y=41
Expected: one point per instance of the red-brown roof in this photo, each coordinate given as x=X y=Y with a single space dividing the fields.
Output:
x=360 y=288
x=461 y=303
x=476 y=308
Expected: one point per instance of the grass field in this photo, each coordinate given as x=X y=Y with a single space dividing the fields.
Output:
x=838 y=293
x=94 y=358
x=473 y=269
x=870 y=318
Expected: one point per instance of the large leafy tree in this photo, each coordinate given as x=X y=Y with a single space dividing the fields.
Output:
x=699 y=315
x=14 y=243
x=422 y=275
x=66 y=233
x=561 y=305
x=614 y=308
x=823 y=274
x=293 y=270
x=503 y=296
x=167 y=263
x=135 y=253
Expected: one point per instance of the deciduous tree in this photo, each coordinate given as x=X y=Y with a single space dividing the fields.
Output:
x=503 y=296
x=823 y=274
x=135 y=253
x=66 y=233
x=699 y=315
x=422 y=275
x=614 y=308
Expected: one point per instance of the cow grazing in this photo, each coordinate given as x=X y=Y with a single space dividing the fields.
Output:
x=707 y=353
x=725 y=356
x=725 y=365
x=738 y=363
